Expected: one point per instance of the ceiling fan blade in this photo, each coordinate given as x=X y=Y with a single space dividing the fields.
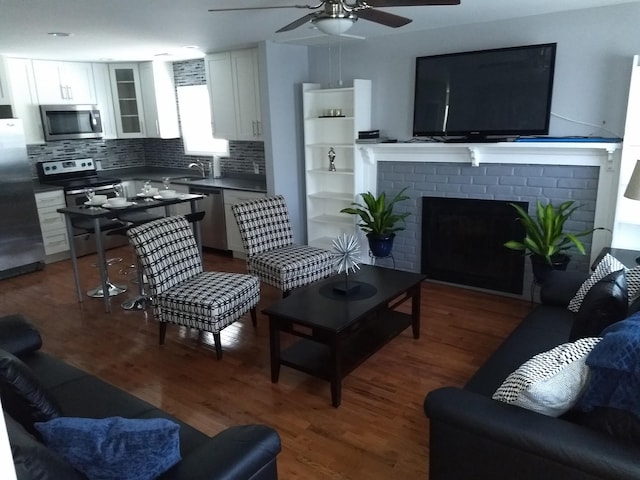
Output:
x=383 y=18
x=301 y=21
x=409 y=3
x=236 y=9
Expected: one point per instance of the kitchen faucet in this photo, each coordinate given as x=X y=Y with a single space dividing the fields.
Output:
x=199 y=165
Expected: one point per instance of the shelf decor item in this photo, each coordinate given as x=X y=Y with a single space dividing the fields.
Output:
x=332 y=158
x=345 y=256
x=545 y=239
x=378 y=220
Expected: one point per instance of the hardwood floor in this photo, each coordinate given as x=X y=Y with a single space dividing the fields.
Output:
x=379 y=431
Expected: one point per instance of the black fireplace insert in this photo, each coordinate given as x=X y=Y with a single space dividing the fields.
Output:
x=463 y=242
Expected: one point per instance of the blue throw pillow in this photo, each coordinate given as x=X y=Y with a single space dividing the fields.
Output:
x=615 y=369
x=115 y=447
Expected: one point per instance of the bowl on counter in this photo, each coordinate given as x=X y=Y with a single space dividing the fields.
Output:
x=167 y=193
x=97 y=200
x=117 y=201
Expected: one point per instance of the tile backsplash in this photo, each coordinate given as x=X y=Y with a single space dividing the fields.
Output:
x=152 y=152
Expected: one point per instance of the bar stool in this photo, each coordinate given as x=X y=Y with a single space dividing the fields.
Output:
x=106 y=225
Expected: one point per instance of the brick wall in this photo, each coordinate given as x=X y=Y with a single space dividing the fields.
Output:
x=499 y=182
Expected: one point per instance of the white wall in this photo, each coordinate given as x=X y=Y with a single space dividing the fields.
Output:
x=283 y=68
x=593 y=65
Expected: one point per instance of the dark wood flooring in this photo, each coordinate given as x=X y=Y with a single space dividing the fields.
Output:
x=379 y=431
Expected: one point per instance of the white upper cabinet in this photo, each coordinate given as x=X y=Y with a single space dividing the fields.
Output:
x=64 y=82
x=234 y=90
x=22 y=90
x=104 y=100
x=127 y=100
x=159 y=100
x=5 y=96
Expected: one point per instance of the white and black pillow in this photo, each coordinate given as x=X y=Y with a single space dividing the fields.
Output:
x=605 y=303
x=607 y=265
x=551 y=382
x=633 y=282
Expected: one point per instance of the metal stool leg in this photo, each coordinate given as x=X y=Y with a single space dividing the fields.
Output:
x=113 y=289
x=142 y=301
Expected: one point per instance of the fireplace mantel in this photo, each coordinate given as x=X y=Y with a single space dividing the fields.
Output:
x=606 y=156
x=545 y=153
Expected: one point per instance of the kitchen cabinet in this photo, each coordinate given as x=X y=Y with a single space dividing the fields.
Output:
x=329 y=191
x=5 y=97
x=127 y=100
x=104 y=100
x=22 y=90
x=52 y=223
x=231 y=197
x=159 y=100
x=234 y=91
x=64 y=82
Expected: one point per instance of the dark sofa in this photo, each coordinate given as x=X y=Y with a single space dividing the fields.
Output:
x=475 y=437
x=237 y=453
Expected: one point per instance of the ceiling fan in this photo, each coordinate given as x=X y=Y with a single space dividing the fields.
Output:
x=337 y=16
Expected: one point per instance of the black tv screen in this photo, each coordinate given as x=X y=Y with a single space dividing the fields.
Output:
x=504 y=91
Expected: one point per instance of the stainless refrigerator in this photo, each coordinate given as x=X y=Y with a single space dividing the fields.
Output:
x=21 y=248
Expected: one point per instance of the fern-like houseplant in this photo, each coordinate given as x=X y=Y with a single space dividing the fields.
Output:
x=545 y=239
x=378 y=220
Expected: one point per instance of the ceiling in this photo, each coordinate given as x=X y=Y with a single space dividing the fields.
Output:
x=136 y=30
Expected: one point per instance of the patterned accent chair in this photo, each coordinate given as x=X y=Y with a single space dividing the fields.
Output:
x=265 y=229
x=181 y=292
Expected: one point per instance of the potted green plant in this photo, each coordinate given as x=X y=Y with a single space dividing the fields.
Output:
x=378 y=220
x=545 y=240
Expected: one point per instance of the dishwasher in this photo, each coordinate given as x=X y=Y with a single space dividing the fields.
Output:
x=213 y=231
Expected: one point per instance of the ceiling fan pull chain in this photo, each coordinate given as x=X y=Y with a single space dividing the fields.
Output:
x=340 y=61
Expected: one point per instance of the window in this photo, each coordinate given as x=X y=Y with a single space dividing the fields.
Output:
x=195 y=123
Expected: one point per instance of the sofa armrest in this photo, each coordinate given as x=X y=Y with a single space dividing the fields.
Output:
x=560 y=287
x=18 y=336
x=242 y=452
x=473 y=436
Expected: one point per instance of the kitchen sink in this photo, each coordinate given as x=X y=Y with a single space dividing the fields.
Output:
x=187 y=179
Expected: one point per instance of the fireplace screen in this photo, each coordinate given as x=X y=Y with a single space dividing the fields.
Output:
x=463 y=242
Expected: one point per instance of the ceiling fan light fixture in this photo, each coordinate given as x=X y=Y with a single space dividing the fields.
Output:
x=334 y=26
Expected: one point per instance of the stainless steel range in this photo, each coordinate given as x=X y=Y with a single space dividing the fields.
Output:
x=74 y=176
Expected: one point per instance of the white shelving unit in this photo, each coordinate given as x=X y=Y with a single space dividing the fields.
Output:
x=327 y=192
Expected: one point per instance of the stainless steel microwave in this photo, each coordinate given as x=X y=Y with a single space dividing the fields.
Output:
x=67 y=122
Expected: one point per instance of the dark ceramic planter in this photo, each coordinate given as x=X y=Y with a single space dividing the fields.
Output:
x=542 y=268
x=380 y=245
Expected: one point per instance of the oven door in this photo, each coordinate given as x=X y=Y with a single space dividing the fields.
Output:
x=85 y=242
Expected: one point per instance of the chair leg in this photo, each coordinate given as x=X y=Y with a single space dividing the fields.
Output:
x=216 y=339
x=254 y=317
x=163 y=332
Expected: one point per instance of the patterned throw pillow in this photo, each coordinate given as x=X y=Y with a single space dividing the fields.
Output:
x=633 y=282
x=605 y=303
x=551 y=382
x=607 y=265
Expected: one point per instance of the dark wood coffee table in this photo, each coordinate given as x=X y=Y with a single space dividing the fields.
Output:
x=338 y=332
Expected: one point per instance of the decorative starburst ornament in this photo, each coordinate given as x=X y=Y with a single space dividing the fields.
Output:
x=346 y=253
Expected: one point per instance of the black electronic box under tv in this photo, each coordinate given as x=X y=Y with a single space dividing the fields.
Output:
x=498 y=92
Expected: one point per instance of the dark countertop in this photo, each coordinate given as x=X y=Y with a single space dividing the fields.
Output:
x=191 y=178
x=250 y=182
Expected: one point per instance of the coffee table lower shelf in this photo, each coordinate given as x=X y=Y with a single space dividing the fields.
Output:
x=333 y=358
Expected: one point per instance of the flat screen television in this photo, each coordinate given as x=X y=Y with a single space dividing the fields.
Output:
x=499 y=92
